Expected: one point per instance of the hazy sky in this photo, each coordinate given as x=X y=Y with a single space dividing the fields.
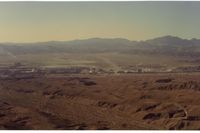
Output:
x=45 y=21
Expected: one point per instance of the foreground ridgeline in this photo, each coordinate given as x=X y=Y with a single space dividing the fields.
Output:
x=127 y=101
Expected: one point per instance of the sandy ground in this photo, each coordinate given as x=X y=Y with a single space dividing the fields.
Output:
x=136 y=101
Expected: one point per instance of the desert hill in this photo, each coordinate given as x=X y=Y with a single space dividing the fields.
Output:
x=161 y=45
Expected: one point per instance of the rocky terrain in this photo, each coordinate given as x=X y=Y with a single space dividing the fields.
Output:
x=129 y=101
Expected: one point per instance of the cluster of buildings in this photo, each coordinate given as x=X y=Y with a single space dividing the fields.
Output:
x=145 y=69
x=19 y=70
x=22 y=71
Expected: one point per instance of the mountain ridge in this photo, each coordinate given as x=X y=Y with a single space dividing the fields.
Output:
x=161 y=45
x=99 y=38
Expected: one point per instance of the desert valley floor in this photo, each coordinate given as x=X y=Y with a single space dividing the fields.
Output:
x=129 y=101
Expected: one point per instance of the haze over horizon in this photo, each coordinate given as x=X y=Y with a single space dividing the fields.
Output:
x=63 y=21
x=102 y=38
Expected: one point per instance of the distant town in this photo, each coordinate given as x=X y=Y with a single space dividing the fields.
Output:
x=19 y=70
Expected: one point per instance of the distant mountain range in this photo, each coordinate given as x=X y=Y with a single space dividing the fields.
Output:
x=167 y=45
